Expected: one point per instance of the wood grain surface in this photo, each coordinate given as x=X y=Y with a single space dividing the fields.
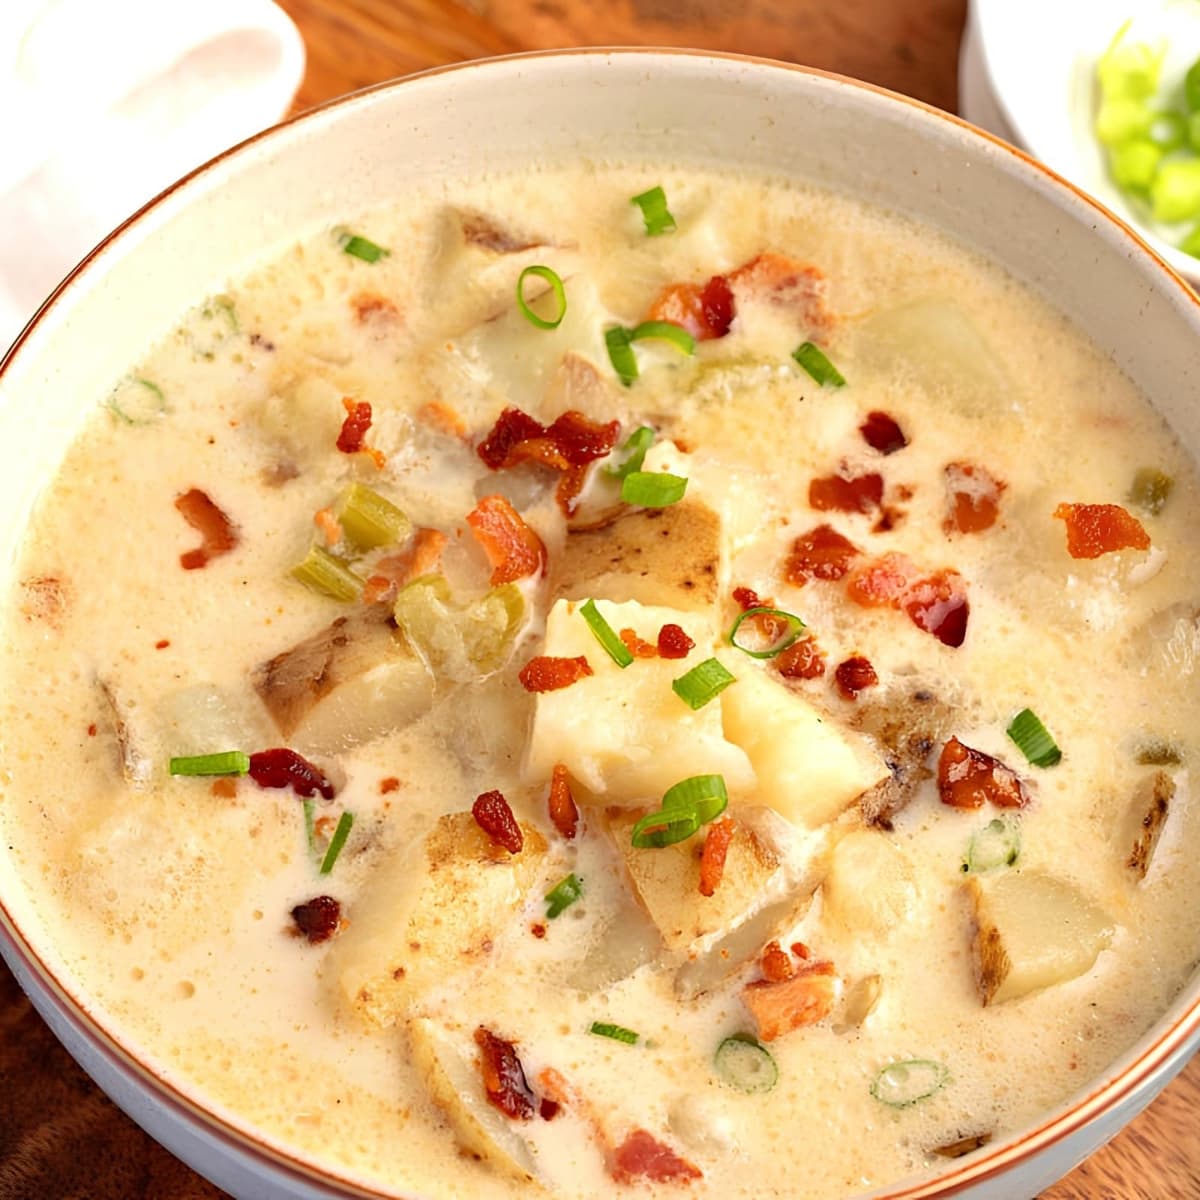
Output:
x=60 y=1139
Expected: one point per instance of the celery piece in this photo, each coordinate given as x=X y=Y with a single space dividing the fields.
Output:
x=1130 y=70
x=1121 y=120
x=1175 y=192
x=1150 y=489
x=322 y=572
x=490 y=624
x=1134 y=164
x=1168 y=130
x=369 y=520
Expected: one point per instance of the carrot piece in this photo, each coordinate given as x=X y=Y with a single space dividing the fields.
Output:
x=805 y=999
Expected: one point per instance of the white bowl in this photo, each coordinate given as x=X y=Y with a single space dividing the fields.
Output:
x=253 y=201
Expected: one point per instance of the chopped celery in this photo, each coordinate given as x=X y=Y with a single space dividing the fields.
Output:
x=997 y=844
x=322 y=572
x=1134 y=164
x=1150 y=489
x=1120 y=120
x=368 y=520
x=1175 y=192
x=1130 y=70
x=1168 y=130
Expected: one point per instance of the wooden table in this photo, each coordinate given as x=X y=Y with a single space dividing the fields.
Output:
x=60 y=1139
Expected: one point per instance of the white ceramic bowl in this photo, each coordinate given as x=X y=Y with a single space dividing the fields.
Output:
x=252 y=202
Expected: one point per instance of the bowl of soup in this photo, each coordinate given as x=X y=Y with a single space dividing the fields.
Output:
x=609 y=621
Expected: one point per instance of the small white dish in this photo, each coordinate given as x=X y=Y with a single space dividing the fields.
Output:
x=1039 y=57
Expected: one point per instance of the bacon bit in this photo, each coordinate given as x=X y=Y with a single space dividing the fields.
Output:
x=770 y=628
x=637 y=647
x=318 y=919
x=800 y=950
x=377 y=588
x=548 y=1110
x=538 y=929
x=747 y=598
x=162 y=644
x=281 y=768
x=856 y=494
x=882 y=582
x=805 y=999
x=512 y=428
x=224 y=789
x=443 y=418
x=776 y=965
x=323 y=827
x=705 y=310
x=642 y=1156
x=564 y=814
x=328 y=524
x=974 y=496
x=673 y=642
x=785 y=282
x=373 y=308
x=92 y=729
x=881 y=432
x=493 y=815
x=822 y=553
x=1096 y=529
x=512 y=547
x=803 y=659
x=712 y=857
x=555 y=1087
x=549 y=674
x=393 y=571
x=388 y=785
x=938 y=604
x=967 y=778
x=503 y=1076
x=44 y=598
x=217 y=532
x=853 y=675
x=355 y=426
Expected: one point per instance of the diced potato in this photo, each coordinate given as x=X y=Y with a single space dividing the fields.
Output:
x=809 y=768
x=433 y=911
x=870 y=889
x=1032 y=930
x=858 y=1003
x=667 y=556
x=449 y=1064
x=303 y=415
x=624 y=734
x=627 y=941
x=1147 y=817
x=353 y=681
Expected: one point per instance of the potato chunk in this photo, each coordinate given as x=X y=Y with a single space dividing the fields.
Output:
x=1032 y=930
x=870 y=889
x=809 y=769
x=1147 y=817
x=625 y=734
x=430 y=913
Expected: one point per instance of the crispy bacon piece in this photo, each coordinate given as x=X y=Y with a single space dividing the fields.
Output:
x=355 y=426
x=512 y=547
x=883 y=433
x=217 y=532
x=642 y=1156
x=882 y=582
x=545 y=673
x=388 y=784
x=967 y=778
x=392 y=572
x=712 y=857
x=776 y=964
x=283 y=768
x=374 y=309
x=636 y=646
x=503 y=1076
x=938 y=604
x=512 y=428
x=673 y=642
x=1096 y=529
x=318 y=919
x=800 y=950
x=493 y=815
x=853 y=494
x=853 y=675
x=973 y=494
x=705 y=310
x=771 y=628
x=785 y=282
x=803 y=659
x=564 y=814
x=822 y=553
x=805 y=999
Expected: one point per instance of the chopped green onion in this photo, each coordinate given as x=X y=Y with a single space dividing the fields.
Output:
x=1175 y=192
x=618 y=1033
x=1121 y=120
x=704 y=682
x=212 y=326
x=654 y=211
x=1034 y=739
x=664 y=828
x=997 y=844
x=1134 y=164
x=360 y=247
x=310 y=823
x=905 y=1083
x=562 y=895
x=653 y=489
x=322 y=572
x=705 y=795
x=369 y=520
x=1168 y=130
x=557 y=289
x=1130 y=69
x=1150 y=489
x=606 y=635
x=228 y=762
x=619 y=341
x=340 y=834
x=620 y=353
x=792 y=631
x=813 y=360
x=136 y=401
x=664 y=331
x=743 y=1062
x=1157 y=753
x=636 y=445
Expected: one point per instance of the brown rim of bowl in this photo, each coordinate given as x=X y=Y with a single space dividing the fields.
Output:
x=1157 y=1057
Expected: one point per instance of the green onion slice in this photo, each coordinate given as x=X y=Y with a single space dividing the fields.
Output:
x=905 y=1083
x=743 y=1062
x=136 y=401
x=557 y=288
x=228 y=762
x=369 y=520
x=606 y=635
x=813 y=360
x=997 y=844
x=655 y=212
x=340 y=834
x=653 y=489
x=360 y=247
x=664 y=828
x=634 y=449
x=322 y=572
x=562 y=895
x=618 y=1033
x=620 y=353
x=1150 y=489
x=310 y=824
x=704 y=682
x=705 y=795
x=794 y=627
x=1034 y=739
x=664 y=331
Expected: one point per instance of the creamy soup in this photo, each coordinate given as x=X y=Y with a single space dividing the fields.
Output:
x=701 y=688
